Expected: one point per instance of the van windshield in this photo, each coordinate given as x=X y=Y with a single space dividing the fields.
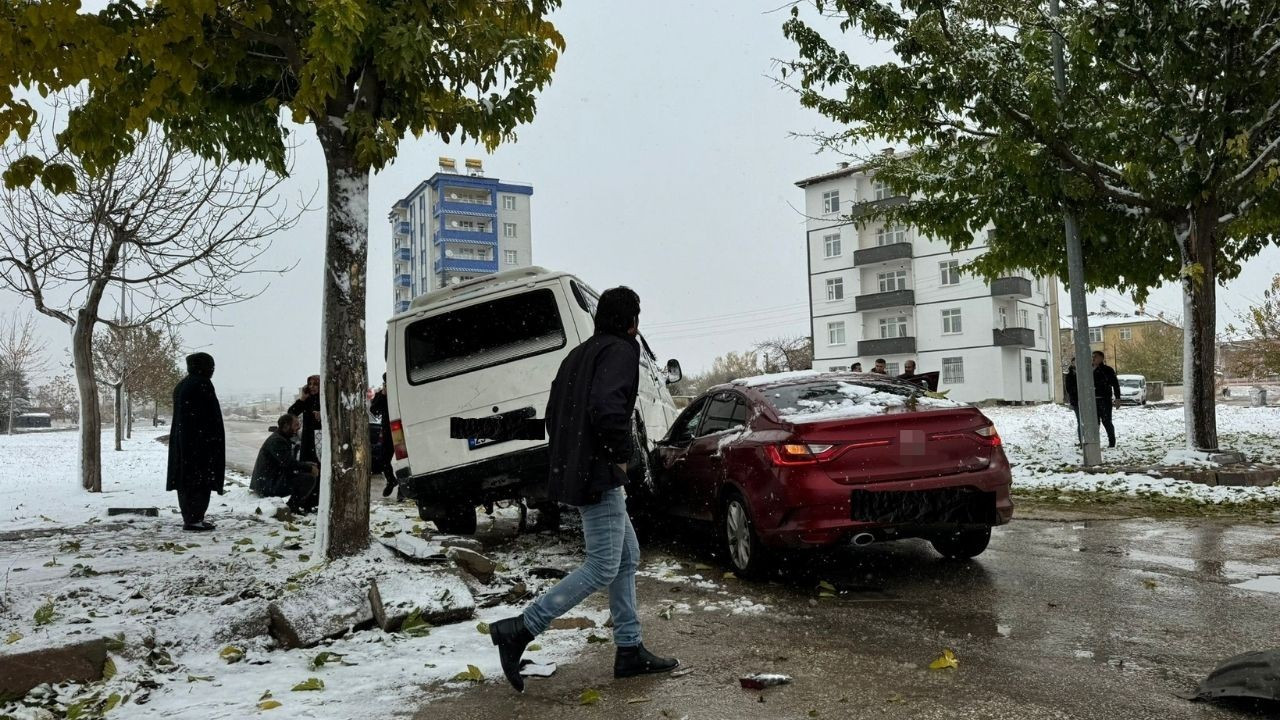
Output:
x=483 y=335
x=1131 y=382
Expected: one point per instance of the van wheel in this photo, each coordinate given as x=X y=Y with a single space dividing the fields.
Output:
x=962 y=544
x=457 y=519
x=746 y=555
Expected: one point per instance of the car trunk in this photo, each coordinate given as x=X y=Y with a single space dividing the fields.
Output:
x=901 y=444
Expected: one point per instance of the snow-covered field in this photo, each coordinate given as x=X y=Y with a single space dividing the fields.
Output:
x=1041 y=444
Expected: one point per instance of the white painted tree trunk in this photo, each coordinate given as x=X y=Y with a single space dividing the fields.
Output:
x=87 y=388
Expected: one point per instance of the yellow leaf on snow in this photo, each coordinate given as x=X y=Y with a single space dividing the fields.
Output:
x=948 y=660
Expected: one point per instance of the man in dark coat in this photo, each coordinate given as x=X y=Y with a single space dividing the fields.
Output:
x=276 y=473
x=1105 y=385
x=590 y=419
x=197 y=446
x=1073 y=396
x=382 y=463
x=307 y=408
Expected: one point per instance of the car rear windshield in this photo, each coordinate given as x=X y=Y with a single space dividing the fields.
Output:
x=483 y=335
x=833 y=395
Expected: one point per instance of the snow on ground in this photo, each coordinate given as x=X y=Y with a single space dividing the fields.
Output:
x=1041 y=444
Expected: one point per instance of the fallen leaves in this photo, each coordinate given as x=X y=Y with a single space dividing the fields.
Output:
x=471 y=674
x=415 y=626
x=589 y=696
x=231 y=654
x=946 y=660
x=44 y=614
x=593 y=638
x=12 y=638
x=482 y=628
x=1150 y=584
x=269 y=704
x=309 y=685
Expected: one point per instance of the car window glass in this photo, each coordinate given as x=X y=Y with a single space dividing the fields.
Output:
x=741 y=412
x=687 y=424
x=719 y=415
x=585 y=297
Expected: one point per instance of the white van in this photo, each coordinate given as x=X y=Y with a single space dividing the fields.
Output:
x=1133 y=389
x=484 y=353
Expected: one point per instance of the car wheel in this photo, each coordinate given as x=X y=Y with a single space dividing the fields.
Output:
x=457 y=519
x=746 y=555
x=962 y=544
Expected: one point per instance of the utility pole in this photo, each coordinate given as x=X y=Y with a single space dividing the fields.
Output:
x=1091 y=449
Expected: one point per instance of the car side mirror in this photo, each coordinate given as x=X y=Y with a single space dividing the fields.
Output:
x=273 y=428
x=674 y=374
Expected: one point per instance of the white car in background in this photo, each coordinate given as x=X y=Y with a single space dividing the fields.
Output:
x=1133 y=389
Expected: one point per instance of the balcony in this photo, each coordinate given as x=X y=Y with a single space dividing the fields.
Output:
x=404 y=280
x=891 y=299
x=402 y=305
x=1011 y=287
x=465 y=265
x=478 y=237
x=404 y=227
x=881 y=254
x=873 y=207
x=886 y=346
x=465 y=207
x=404 y=254
x=1014 y=337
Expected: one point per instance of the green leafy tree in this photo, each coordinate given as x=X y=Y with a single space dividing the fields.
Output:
x=1164 y=144
x=218 y=76
x=1155 y=352
x=1258 y=353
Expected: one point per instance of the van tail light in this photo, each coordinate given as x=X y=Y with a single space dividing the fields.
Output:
x=788 y=454
x=990 y=438
x=397 y=440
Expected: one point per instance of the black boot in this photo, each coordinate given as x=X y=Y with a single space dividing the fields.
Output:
x=511 y=637
x=386 y=491
x=632 y=661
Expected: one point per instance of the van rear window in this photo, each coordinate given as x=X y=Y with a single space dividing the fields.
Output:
x=483 y=335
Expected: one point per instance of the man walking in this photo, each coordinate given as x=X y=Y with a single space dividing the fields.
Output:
x=197 y=446
x=590 y=417
x=1105 y=386
x=276 y=473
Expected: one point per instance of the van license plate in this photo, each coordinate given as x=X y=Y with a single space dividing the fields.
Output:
x=474 y=443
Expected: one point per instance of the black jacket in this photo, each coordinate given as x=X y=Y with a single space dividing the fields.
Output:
x=1069 y=385
x=1105 y=382
x=197 y=445
x=303 y=408
x=275 y=468
x=590 y=418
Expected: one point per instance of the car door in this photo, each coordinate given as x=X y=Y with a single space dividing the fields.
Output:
x=671 y=478
x=704 y=464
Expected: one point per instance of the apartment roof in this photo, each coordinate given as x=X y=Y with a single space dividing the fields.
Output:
x=845 y=169
x=1113 y=319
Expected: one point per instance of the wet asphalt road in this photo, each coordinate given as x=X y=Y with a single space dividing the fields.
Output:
x=1065 y=616
x=244 y=438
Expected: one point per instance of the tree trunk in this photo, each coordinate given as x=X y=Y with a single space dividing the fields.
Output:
x=13 y=395
x=117 y=392
x=87 y=386
x=1198 y=241
x=343 y=526
x=128 y=411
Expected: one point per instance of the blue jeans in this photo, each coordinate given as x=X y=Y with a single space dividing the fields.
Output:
x=613 y=554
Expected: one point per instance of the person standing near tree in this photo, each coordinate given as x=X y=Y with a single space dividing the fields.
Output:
x=590 y=421
x=197 y=444
x=307 y=407
x=1073 y=396
x=382 y=463
x=1106 y=388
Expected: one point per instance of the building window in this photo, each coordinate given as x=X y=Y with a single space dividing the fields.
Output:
x=1025 y=317
x=1027 y=363
x=1095 y=335
x=511 y=257
x=951 y=321
x=835 y=333
x=1040 y=325
x=952 y=370
x=508 y=202
x=508 y=230
x=950 y=271
x=893 y=280
x=831 y=202
x=881 y=191
x=893 y=327
x=837 y=368
x=891 y=368
x=835 y=288
x=1039 y=284
x=1044 y=372
x=1002 y=317
x=831 y=245
x=1126 y=333
x=890 y=234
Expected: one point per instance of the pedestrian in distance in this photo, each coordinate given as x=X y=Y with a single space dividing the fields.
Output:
x=880 y=368
x=589 y=418
x=276 y=473
x=307 y=407
x=1106 y=388
x=197 y=443
x=1073 y=396
x=382 y=464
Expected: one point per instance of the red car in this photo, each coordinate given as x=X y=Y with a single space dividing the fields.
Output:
x=807 y=460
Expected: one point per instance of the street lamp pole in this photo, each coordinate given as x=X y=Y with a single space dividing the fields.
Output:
x=1091 y=449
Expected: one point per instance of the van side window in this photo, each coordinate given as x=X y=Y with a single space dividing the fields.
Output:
x=483 y=335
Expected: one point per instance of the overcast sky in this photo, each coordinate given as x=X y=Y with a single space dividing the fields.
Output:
x=662 y=157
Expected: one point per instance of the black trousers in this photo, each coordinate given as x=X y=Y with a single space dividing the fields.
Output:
x=305 y=491
x=193 y=502
x=1105 y=407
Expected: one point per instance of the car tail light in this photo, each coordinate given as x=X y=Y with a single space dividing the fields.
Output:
x=397 y=440
x=799 y=453
x=989 y=436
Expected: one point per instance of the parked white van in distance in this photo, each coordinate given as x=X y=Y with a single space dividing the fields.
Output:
x=1133 y=389
x=479 y=357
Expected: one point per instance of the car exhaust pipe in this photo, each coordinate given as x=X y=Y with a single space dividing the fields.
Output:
x=863 y=539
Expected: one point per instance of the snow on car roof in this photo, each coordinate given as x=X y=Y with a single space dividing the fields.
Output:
x=849 y=396
x=775 y=378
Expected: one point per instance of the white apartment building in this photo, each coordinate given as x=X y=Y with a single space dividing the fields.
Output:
x=456 y=226
x=884 y=291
